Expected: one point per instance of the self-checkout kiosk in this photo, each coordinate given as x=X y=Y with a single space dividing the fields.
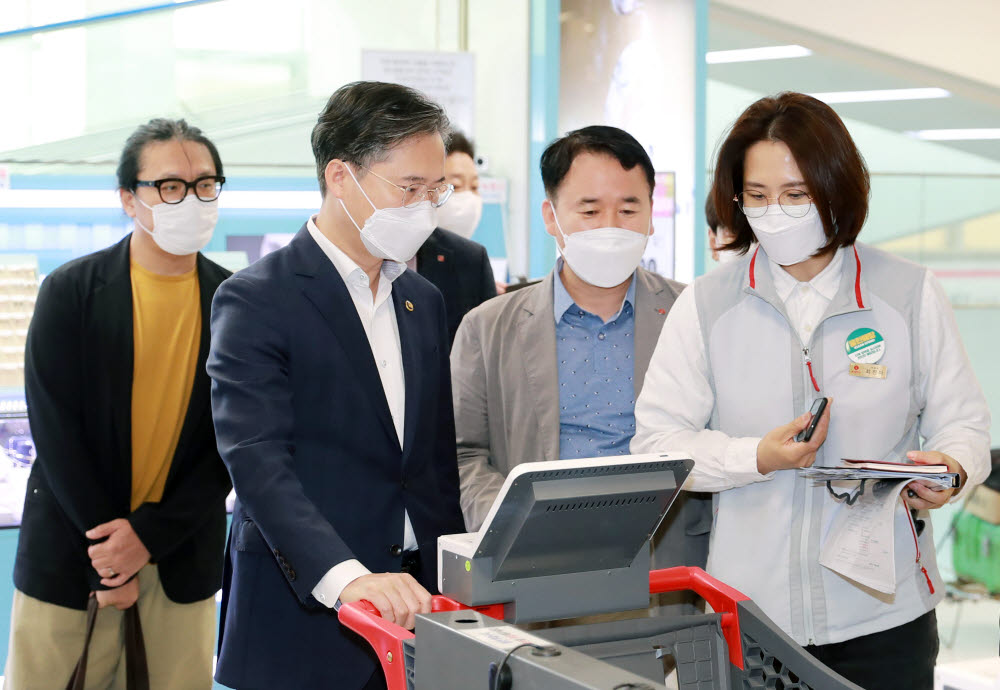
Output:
x=567 y=540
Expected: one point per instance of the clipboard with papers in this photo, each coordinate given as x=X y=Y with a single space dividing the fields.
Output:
x=860 y=543
x=936 y=476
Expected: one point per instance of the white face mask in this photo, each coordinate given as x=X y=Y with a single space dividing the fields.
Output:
x=395 y=233
x=183 y=228
x=788 y=240
x=461 y=213
x=603 y=257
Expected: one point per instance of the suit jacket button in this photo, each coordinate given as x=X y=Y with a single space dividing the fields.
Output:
x=396 y=550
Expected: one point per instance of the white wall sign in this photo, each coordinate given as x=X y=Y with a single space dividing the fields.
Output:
x=631 y=65
x=447 y=78
x=659 y=254
x=493 y=190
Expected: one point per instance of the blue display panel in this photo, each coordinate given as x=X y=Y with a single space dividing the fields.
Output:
x=56 y=233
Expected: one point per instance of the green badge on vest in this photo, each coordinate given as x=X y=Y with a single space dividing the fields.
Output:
x=865 y=346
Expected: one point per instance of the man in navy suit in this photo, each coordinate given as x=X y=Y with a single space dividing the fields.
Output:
x=458 y=266
x=332 y=403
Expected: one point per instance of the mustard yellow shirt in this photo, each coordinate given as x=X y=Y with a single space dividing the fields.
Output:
x=166 y=314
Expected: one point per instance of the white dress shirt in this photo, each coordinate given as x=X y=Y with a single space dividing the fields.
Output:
x=379 y=320
x=806 y=303
x=680 y=363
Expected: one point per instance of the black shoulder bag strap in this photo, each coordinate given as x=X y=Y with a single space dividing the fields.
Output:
x=136 y=668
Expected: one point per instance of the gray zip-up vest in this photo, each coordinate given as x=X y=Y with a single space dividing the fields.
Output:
x=766 y=536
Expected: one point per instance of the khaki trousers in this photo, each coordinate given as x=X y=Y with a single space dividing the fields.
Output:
x=46 y=641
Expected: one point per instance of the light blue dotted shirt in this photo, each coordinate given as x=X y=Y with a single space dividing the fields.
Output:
x=596 y=365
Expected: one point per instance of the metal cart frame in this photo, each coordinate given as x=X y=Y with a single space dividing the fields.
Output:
x=736 y=647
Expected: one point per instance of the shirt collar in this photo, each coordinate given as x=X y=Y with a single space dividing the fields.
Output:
x=561 y=300
x=349 y=271
x=826 y=282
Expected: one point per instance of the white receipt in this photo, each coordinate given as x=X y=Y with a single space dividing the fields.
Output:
x=860 y=544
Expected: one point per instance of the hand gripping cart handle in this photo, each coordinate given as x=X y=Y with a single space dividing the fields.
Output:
x=387 y=639
x=737 y=646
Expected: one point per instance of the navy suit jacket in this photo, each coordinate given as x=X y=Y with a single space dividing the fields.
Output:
x=304 y=427
x=460 y=269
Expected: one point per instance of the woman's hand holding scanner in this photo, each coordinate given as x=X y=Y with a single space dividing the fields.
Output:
x=779 y=450
x=397 y=596
x=919 y=496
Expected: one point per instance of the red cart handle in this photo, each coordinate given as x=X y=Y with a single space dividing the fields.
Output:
x=387 y=638
x=720 y=596
x=384 y=637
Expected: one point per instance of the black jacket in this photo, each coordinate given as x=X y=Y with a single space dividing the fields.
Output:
x=78 y=381
x=461 y=270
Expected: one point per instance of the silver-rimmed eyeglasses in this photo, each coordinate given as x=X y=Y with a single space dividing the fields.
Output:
x=415 y=193
x=794 y=202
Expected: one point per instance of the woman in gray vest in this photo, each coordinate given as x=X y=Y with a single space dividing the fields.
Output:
x=812 y=313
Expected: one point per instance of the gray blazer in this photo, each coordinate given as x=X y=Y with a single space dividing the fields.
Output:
x=505 y=387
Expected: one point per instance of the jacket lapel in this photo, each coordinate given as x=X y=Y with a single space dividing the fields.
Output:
x=409 y=323
x=198 y=401
x=650 y=309
x=536 y=334
x=112 y=302
x=322 y=285
x=435 y=261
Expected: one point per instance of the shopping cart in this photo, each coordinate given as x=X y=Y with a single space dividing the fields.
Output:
x=568 y=540
x=736 y=647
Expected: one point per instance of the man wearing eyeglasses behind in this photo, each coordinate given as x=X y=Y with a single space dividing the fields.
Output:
x=332 y=402
x=458 y=266
x=126 y=500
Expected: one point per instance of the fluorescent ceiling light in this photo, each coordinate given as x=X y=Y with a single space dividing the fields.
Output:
x=875 y=95
x=271 y=200
x=717 y=57
x=98 y=198
x=955 y=134
x=59 y=198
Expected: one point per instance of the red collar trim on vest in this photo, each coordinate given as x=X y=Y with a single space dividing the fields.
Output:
x=857 y=280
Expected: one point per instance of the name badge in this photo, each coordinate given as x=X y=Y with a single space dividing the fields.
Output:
x=867 y=371
x=865 y=346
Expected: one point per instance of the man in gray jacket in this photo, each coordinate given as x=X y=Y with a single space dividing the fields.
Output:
x=552 y=371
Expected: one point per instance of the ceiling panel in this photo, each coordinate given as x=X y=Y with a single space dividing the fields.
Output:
x=840 y=66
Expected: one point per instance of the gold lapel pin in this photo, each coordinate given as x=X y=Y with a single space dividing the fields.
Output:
x=409 y=305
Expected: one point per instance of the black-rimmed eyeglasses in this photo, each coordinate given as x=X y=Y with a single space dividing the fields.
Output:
x=173 y=190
